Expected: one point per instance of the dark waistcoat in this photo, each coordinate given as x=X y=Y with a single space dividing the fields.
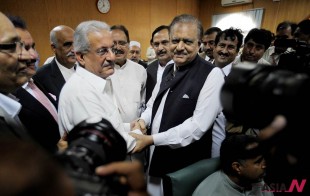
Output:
x=184 y=87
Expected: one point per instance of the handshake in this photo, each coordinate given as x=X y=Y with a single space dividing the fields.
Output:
x=142 y=140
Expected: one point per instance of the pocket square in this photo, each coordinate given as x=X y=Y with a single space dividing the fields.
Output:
x=53 y=96
x=185 y=96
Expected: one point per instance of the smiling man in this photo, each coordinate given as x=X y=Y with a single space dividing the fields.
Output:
x=85 y=96
x=38 y=110
x=186 y=105
x=13 y=74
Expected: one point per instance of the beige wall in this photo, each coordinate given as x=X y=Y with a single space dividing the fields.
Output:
x=139 y=16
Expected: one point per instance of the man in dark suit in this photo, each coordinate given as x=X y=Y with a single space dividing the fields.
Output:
x=13 y=59
x=40 y=120
x=183 y=111
x=53 y=75
x=160 y=43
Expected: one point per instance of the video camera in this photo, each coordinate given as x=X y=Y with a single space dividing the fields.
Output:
x=300 y=47
x=254 y=94
x=91 y=145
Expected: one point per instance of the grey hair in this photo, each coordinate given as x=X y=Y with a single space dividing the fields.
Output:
x=53 y=38
x=186 y=18
x=81 y=42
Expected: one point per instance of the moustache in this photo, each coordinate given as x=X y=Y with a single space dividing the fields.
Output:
x=108 y=64
x=119 y=52
x=161 y=52
x=224 y=54
x=70 y=54
x=180 y=53
x=32 y=61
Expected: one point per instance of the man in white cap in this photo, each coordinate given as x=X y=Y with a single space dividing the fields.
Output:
x=135 y=53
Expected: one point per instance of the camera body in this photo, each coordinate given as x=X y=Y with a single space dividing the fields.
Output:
x=254 y=94
x=91 y=145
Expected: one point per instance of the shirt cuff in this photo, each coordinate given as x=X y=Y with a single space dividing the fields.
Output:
x=127 y=127
x=159 y=139
x=137 y=131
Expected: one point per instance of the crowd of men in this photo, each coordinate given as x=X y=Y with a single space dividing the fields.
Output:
x=168 y=112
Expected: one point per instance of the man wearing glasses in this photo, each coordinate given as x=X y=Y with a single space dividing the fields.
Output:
x=13 y=74
x=128 y=82
x=129 y=79
x=85 y=96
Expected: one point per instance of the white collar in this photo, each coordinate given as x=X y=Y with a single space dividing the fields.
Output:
x=9 y=104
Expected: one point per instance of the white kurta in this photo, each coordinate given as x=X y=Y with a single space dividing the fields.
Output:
x=128 y=83
x=83 y=98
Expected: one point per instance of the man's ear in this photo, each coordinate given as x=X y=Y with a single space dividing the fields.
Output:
x=53 y=47
x=80 y=58
x=199 y=43
x=236 y=166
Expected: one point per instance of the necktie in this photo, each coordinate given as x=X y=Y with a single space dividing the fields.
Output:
x=41 y=97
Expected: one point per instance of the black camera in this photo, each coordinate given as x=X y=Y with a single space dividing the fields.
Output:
x=300 y=47
x=254 y=94
x=91 y=145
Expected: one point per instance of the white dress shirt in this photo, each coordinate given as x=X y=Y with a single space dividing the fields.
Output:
x=161 y=70
x=66 y=73
x=10 y=105
x=9 y=110
x=128 y=83
x=83 y=98
x=218 y=132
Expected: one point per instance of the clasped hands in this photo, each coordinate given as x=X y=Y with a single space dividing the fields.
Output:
x=142 y=141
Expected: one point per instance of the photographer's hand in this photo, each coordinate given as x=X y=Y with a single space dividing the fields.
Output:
x=131 y=173
x=277 y=125
x=142 y=141
x=62 y=143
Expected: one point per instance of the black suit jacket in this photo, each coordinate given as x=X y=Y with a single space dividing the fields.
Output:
x=144 y=64
x=50 y=77
x=187 y=80
x=37 y=119
x=151 y=79
x=11 y=130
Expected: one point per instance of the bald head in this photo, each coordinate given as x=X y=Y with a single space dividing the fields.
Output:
x=7 y=30
x=61 y=38
x=59 y=31
x=13 y=57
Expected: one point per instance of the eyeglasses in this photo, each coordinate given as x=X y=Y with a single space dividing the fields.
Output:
x=12 y=47
x=104 y=51
x=121 y=43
